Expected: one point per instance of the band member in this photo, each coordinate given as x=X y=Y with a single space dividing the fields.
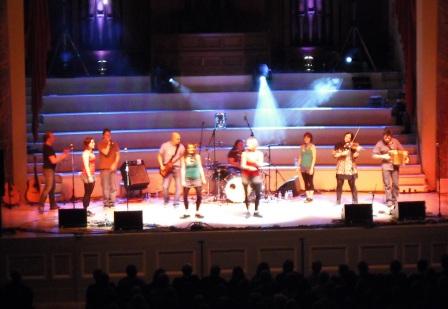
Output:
x=109 y=158
x=306 y=162
x=390 y=171
x=88 y=171
x=193 y=176
x=251 y=161
x=234 y=155
x=169 y=157
x=50 y=160
x=346 y=154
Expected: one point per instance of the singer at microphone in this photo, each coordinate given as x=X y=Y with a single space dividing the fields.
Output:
x=108 y=162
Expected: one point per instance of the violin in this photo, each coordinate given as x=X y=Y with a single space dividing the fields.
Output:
x=352 y=146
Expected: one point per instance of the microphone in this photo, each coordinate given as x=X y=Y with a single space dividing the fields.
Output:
x=71 y=146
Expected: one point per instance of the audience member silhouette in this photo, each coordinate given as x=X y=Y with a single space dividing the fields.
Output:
x=15 y=293
x=129 y=285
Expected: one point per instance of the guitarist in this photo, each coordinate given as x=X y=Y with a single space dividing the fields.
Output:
x=169 y=161
x=50 y=160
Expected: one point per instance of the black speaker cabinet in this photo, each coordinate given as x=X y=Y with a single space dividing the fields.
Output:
x=134 y=175
x=290 y=185
x=358 y=214
x=415 y=210
x=72 y=217
x=128 y=220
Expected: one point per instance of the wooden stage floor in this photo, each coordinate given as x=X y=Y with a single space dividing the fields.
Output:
x=277 y=213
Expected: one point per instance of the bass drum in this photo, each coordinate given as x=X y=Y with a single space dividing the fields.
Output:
x=234 y=190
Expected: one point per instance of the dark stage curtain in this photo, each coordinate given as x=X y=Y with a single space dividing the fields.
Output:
x=406 y=15
x=38 y=47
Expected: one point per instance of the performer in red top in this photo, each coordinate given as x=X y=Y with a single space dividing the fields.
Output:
x=88 y=171
x=251 y=161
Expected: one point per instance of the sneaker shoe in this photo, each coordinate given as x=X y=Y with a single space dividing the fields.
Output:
x=257 y=214
x=89 y=213
x=199 y=216
x=247 y=216
x=338 y=202
x=175 y=204
x=53 y=207
x=308 y=200
x=185 y=216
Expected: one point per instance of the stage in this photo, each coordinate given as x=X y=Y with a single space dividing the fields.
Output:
x=276 y=213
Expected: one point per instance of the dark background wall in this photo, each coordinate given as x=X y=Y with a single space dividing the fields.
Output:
x=127 y=31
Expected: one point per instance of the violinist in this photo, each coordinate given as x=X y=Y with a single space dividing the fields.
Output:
x=346 y=153
x=390 y=171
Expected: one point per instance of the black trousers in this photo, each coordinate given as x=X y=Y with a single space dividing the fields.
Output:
x=308 y=180
x=256 y=187
x=88 y=189
x=351 y=182
x=198 y=197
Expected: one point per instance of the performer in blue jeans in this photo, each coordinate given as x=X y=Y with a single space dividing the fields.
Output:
x=390 y=171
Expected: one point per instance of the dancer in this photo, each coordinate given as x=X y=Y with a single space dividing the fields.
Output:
x=88 y=171
x=306 y=162
x=391 y=171
x=50 y=160
x=251 y=161
x=109 y=158
x=346 y=154
x=192 y=175
x=169 y=157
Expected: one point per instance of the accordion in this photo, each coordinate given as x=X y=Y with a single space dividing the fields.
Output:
x=398 y=157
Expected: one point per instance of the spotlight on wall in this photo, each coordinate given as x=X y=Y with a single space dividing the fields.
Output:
x=348 y=59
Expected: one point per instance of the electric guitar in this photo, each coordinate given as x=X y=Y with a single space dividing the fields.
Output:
x=169 y=166
x=33 y=187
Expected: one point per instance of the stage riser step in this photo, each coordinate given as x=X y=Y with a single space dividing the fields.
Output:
x=324 y=180
x=222 y=83
x=285 y=136
x=235 y=118
x=198 y=101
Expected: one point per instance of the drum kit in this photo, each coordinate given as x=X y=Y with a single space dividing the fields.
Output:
x=226 y=183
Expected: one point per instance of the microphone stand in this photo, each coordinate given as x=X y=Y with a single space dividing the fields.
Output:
x=127 y=184
x=438 y=176
x=248 y=125
x=73 y=175
x=202 y=135
x=270 y=165
x=218 y=184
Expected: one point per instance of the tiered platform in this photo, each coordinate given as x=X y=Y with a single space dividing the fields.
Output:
x=141 y=121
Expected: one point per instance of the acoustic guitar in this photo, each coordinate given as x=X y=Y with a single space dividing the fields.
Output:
x=33 y=187
x=11 y=196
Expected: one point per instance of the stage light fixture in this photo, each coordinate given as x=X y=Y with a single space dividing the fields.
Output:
x=220 y=120
x=348 y=59
x=262 y=72
x=174 y=82
x=308 y=61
